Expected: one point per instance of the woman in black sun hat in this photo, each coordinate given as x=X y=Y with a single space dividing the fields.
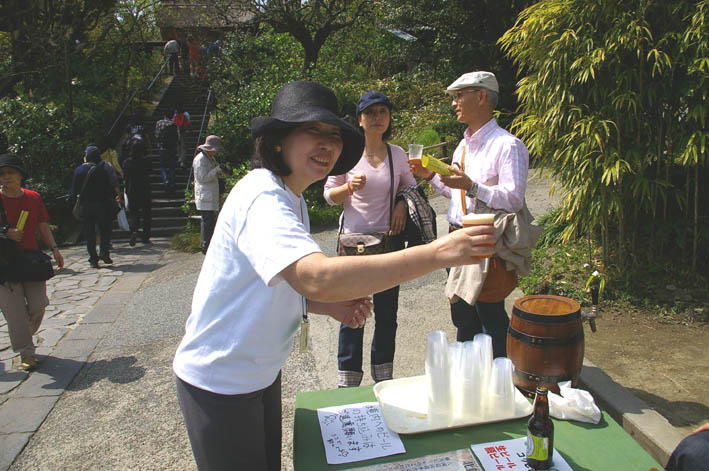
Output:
x=264 y=272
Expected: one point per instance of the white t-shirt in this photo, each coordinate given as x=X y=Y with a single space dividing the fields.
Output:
x=244 y=314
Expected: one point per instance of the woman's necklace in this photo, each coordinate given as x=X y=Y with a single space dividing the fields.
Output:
x=376 y=156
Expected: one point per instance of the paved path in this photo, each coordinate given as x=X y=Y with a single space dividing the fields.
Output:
x=79 y=315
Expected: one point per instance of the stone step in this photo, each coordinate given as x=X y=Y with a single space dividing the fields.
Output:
x=168 y=218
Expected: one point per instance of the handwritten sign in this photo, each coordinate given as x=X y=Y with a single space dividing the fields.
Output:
x=511 y=455
x=356 y=432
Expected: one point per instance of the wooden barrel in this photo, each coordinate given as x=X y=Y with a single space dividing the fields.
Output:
x=545 y=342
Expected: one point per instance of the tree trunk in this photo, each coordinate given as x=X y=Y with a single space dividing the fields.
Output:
x=695 y=235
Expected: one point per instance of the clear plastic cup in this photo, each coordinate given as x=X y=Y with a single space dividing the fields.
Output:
x=455 y=357
x=437 y=349
x=438 y=380
x=484 y=342
x=415 y=152
x=471 y=386
x=501 y=393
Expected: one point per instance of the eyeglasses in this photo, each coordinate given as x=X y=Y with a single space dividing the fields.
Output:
x=457 y=96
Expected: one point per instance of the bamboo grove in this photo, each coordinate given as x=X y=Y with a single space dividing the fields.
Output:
x=613 y=101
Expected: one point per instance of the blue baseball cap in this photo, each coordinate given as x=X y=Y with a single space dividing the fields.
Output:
x=372 y=98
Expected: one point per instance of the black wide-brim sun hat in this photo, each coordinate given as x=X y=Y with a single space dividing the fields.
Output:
x=303 y=102
x=13 y=161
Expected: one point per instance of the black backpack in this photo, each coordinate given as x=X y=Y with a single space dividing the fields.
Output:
x=166 y=133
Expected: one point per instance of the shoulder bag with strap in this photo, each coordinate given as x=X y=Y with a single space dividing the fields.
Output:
x=370 y=243
x=21 y=265
x=499 y=282
x=76 y=211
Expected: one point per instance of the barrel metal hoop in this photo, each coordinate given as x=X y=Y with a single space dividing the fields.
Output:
x=528 y=316
x=541 y=378
x=546 y=341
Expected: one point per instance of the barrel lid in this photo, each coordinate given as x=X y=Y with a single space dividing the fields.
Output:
x=547 y=308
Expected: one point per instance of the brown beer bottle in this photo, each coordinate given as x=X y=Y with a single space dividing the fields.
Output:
x=540 y=433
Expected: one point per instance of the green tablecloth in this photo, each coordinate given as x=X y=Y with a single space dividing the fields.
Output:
x=586 y=447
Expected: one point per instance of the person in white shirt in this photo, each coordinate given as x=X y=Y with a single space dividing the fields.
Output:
x=264 y=272
x=489 y=165
x=206 y=187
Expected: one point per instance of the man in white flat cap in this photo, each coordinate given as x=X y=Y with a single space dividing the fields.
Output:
x=490 y=166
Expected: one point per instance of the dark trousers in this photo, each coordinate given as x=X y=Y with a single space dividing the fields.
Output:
x=386 y=305
x=488 y=318
x=97 y=215
x=174 y=64
x=692 y=453
x=233 y=432
x=140 y=208
x=209 y=220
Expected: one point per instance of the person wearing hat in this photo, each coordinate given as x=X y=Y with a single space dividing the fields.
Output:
x=264 y=273
x=369 y=206
x=489 y=166
x=206 y=187
x=23 y=303
x=98 y=203
x=136 y=170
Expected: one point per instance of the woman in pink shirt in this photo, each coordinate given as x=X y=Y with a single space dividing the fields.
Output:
x=369 y=207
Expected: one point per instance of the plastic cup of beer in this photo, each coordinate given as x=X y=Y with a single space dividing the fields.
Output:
x=470 y=220
x=415 y=151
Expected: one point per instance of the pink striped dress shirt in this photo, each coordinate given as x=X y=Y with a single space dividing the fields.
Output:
x=498 y=162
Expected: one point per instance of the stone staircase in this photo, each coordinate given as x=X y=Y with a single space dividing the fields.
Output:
x=168 y=218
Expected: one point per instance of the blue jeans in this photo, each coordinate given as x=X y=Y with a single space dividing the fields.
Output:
x=692 y=453
x=488 y=318
x=386 y=305
x=168 y=159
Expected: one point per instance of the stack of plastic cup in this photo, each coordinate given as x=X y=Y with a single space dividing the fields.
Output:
x=437 y=370
x=455 y=358
x=471 y=383
x=501 y=393
x=485 y=344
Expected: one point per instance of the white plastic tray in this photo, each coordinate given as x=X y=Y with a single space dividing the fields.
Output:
x=404 y=404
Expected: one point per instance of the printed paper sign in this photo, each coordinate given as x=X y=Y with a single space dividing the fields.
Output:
x=356 y=432
x=458 y=460
x=511 y=455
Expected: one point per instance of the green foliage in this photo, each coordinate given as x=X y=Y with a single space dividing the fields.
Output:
x=562 y=269
x=319 y=211
x=42 y=136
x=554 y=225
x=611 y=103
x=557 y=270
x=189 y=240
x=428 y=137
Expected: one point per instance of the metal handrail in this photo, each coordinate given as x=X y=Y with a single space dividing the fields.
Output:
x=120 y=115
x=199 y=136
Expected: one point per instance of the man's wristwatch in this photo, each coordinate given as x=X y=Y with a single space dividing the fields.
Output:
x=472 y=191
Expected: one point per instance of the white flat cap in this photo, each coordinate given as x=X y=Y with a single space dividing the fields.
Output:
x=475 y=79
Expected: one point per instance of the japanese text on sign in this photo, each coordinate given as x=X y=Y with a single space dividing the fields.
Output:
x=356 y=432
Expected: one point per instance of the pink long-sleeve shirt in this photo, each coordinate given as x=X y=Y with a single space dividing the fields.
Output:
x=498 y=162
x=367 y=210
